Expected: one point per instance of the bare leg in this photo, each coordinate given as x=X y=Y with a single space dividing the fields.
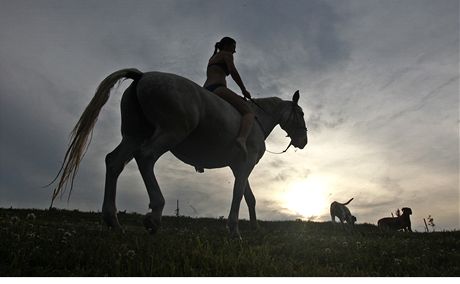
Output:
x=115 y=163
x=251 y=202
x=245 y=128
x=247 y=115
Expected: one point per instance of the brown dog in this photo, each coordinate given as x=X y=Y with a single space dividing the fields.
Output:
x=341 y=211
x=397 y=223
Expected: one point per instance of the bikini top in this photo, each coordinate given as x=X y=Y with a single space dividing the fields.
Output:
x=223 y=66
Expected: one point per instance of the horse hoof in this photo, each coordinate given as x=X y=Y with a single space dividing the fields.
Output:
x=235 y=236
x=255 y=226
x=111 y=221
x=117 y=229
x=151 y=224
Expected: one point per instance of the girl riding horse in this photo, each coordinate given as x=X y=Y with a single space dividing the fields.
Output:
x=221 y=65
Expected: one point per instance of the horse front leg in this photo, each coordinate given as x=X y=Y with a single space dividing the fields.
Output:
x=238 y=191
x=251 y=202
x=241 y=172
x=115 y=163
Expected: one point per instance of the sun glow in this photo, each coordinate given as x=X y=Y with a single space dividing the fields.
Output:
x=307 y=198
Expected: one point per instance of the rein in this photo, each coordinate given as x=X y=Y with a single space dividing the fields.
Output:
x=276 y=153
x=254 y=102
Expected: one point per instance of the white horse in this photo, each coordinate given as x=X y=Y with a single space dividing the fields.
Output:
x=163 y=112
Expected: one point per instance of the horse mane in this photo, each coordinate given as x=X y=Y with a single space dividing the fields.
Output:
x=270 y=102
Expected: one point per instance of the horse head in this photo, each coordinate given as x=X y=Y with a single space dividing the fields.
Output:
x=292 y=121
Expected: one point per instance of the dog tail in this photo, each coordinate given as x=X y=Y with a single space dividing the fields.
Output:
x=348 y=201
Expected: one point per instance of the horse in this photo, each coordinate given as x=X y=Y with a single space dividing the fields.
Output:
x=163 y=112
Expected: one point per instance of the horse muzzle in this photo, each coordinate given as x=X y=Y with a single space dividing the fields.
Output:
x=300 y=142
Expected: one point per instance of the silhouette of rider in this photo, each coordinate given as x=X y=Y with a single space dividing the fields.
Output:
x=221 y=65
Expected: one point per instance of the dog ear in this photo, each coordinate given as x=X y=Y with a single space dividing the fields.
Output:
x=295 y=97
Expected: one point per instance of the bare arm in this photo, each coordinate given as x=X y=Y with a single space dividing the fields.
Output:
x=235 y=75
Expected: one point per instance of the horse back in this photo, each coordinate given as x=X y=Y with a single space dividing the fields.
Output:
x=208 y=123
x=169 y=97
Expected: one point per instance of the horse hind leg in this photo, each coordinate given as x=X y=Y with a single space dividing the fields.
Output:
x=115 y=163
x=152 y=221
x=152 y=149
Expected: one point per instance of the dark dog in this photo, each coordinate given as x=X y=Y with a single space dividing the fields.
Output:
x=341 y=211
x=397 y=223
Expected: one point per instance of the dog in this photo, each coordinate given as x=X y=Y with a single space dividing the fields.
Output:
x=341 y=211
x=397 y=223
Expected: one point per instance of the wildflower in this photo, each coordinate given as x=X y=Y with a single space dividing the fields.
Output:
x=31 y=217
x=67 y=235
x=397 y=261
x=327 y=250
x=15 y=219
x=130 y=253
x=345 y=244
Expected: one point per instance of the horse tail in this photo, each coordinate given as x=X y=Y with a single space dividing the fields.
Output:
x=82 y=132
x=348 y=201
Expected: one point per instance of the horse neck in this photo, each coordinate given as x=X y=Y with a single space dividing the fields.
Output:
x=269 y=113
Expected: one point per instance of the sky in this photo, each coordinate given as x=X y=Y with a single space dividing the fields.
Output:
x=379 y=85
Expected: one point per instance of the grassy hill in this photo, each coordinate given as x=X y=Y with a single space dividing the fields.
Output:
x=73 y=243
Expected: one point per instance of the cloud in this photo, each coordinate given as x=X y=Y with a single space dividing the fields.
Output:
x=378 y=81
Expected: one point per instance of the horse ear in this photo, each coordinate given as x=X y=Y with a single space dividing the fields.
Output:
x=296 y=96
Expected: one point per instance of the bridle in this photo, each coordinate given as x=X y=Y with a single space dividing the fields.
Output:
x=293 y=113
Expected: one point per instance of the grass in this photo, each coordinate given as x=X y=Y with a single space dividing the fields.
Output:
x=73 y=243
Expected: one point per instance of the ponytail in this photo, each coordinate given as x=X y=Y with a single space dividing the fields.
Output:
x=217 y=46
x=223 y=42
